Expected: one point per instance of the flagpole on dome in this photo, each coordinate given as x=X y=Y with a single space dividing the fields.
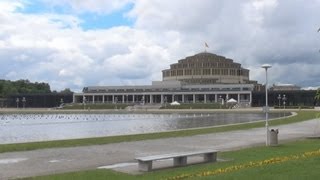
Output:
x=205 y=47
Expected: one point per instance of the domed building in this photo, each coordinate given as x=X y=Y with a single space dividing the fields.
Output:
x=206 y=68
x=201 y=78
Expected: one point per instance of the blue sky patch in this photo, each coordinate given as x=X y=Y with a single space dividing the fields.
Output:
x=40 y=7
x=90 y=20
x=104 y=21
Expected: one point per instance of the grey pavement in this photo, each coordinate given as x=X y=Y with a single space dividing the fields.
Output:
x=58 y=160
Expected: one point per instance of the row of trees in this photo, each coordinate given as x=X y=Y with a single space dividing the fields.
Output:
x=8 y=87
x=317 y=96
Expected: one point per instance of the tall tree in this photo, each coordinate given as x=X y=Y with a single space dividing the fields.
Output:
x=8 y=87
x=317 y=96
x=66 y=90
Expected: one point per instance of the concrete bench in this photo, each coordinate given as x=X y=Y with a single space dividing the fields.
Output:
x=179 y=159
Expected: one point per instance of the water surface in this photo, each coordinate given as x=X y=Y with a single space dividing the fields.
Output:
x=16 y=128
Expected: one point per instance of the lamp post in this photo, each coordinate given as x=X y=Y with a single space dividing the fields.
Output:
x=284 y=98
x=116 y=101
x=17 y=101
x=279 y=99
x=24 y=102
x=266 y=109
x=61 y=101
x=284 y=101
x=84 y=102
x=142 y=99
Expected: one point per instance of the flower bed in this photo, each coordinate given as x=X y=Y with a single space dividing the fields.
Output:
x=274 y=160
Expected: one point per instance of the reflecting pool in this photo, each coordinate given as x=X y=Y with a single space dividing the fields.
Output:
x=15 y=128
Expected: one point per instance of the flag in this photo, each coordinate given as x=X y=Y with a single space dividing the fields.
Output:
x=206 y=45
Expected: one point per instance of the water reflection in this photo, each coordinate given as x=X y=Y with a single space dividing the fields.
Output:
x=16 y=128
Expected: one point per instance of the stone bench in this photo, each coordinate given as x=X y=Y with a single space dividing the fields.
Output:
x=179 y=159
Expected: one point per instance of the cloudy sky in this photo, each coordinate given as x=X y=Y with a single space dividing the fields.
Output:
x=77 y=43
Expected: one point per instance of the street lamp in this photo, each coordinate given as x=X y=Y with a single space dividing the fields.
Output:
x=284 y=98
x=284 y=101
x=17 y=101
x=142 y=99
x=24 y=102
x=61 y=103
x=266 y=109
x=279 y=99
x=84 y=102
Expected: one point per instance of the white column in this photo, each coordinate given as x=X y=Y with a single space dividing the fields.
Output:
x=182 y=98
x=205 y=98
x=133 y=98
x=151 y=100
x=194 y=98
x=144 y=99
x=122 y=99
x=162 y=98
x=238 y=98
x=172 y=97
x=216 y=98
x=103 y=99
x=250 y=101
x=113 y=99
x=227 y=97
x=92 y=99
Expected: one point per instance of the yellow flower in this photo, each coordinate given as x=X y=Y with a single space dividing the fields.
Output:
x=248 y=165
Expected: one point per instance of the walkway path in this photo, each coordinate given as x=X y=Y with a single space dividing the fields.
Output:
x=57 y=160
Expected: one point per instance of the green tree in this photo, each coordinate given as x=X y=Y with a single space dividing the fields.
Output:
x=66 y=90
x=8 y=87
x=317 y=96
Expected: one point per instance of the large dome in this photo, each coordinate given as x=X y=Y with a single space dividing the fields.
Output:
x=206 y=68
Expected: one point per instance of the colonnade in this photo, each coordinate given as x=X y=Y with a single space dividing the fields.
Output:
x=161 y=98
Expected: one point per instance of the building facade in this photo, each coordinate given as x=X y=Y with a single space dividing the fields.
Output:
x=202 y=78
x=207 y=68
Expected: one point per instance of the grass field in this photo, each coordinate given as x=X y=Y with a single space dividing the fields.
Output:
x=301 y=116
x=295 y=160
x=166 y=106
x=95 y=106
x=196 y=106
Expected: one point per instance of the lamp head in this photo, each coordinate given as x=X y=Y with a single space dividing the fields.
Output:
x=266 y=66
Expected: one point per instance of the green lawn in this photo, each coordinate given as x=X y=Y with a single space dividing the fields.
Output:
x=95 y=106
x=302 y=116
x=196 y=106
x=303 y=167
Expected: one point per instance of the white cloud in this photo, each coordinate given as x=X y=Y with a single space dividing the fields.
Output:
x=175 y=15
x=254 y=11
x=10 y=6
x=53 y=48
